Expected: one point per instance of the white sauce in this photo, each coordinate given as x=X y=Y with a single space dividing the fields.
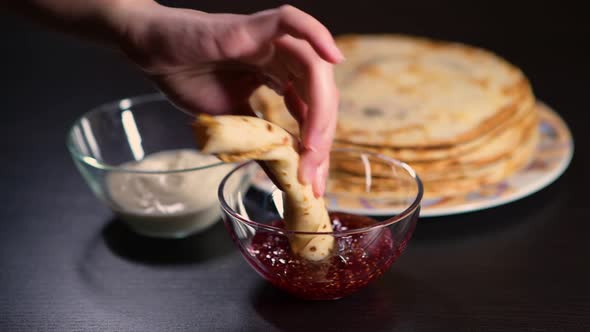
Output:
x=168 y=205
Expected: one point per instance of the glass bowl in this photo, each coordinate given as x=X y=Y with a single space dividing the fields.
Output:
x=364 y=247
x=139 y=157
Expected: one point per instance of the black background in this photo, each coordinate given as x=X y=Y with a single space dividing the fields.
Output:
x=65 y=265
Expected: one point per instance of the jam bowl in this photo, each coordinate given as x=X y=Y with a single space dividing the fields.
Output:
x=364 y=248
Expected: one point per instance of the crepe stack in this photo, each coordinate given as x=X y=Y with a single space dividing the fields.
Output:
x=462 y=117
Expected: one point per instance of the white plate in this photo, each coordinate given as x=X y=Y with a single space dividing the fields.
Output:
x=551 y=159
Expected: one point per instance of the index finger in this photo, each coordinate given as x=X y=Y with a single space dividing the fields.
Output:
x=316 y=87
x=271 y=24
x=320 y=125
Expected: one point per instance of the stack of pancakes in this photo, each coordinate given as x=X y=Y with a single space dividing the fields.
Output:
x=462 y=117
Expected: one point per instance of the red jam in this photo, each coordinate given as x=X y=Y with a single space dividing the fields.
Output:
x=356 y=260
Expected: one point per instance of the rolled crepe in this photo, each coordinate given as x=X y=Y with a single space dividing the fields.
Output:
x=239 y=138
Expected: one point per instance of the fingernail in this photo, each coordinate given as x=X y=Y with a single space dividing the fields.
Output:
x=320 y=179
x=341 y=57
x=319 y=186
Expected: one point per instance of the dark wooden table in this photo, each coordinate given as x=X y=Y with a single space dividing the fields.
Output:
x=66 y=265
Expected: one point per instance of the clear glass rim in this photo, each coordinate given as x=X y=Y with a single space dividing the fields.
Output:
x=114 y=106
x=385 y=223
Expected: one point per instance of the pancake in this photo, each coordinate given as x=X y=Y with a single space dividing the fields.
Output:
x=433 y=154
x=496 y=149
x=408 y=92
x=224 y=136
x=460 y=116
x=381 y=186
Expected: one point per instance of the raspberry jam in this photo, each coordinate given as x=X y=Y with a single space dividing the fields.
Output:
x=356 y=259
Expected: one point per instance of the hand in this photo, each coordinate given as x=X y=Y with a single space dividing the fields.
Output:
x=213 y=62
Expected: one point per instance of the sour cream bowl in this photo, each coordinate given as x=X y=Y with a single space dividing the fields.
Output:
x=138 y=156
